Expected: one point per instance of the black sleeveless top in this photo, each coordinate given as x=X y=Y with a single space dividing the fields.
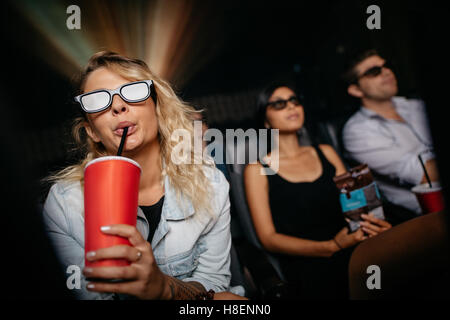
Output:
x=309 y=210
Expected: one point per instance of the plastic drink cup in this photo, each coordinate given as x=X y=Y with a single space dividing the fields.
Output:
x=430 y=199
x=111 y=189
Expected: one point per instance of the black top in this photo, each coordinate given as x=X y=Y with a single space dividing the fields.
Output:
x=311 y=210
x=153 y=215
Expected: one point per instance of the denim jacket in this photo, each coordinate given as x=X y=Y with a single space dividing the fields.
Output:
x=185 y=246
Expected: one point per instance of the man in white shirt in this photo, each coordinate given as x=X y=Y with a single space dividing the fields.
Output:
x=388 y=132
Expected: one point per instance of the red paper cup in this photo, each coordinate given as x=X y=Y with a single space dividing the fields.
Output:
x=430 y=199
x=111 y=189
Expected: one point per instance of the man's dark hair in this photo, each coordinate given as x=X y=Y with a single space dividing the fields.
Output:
x=350 y=75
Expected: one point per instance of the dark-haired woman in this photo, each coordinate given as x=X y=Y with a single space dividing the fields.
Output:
x=296 y=210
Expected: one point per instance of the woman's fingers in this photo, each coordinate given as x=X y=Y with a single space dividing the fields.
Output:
x=125 y=231
x=344 y=230
x=129 y=273
x=370 y=232
x=122 y=287
x=139 y=254
x=359 y=235
x=373 y=226
x=370 y=226
x=373 y=220
x=129 y=253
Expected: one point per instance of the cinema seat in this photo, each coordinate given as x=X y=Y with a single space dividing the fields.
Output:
x=263 y=269
x=266 y=271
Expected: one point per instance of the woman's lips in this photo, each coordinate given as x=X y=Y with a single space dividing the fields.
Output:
x=293 y=117
x=131 y=129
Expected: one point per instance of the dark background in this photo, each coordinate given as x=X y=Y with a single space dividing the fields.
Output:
x=307 y=41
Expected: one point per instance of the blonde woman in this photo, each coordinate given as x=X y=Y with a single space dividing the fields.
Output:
x=181 y=243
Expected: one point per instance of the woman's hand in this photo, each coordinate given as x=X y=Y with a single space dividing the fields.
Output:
x=144 y=279
x=344 y=239
x=373 y=226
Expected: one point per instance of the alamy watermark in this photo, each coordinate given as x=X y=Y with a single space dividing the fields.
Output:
x=74 y=279
x=374 y=280
x=219 y=148
x=374 y=20
x=73 y=21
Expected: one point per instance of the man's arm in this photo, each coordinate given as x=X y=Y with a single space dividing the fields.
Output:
x=379 y=151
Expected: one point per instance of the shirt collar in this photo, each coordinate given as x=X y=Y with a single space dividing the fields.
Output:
x=173 y=209
x=372 y=114
x=369 y=113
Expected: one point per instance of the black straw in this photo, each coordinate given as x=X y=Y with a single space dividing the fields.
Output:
x=122 y=141
x=425 y=170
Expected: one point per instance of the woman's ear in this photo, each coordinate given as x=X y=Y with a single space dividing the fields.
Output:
x=355 y=91
x=266 y=125
x=91 y=133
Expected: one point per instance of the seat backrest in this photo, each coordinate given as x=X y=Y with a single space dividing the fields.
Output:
x=235 y=152
x=238 y=276
x=237 y=193
x=331 y=132
x=238 y=197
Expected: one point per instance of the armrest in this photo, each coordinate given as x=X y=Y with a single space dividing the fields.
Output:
x=413 y=257
x=263 y=274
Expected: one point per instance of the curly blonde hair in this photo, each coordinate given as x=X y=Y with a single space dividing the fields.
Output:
x=187 y=179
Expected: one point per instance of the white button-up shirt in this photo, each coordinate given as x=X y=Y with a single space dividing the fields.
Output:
x=391 y=148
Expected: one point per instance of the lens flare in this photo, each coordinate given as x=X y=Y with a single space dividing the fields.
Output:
x=176 y=38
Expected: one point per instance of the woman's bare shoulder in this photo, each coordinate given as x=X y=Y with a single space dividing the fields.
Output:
x=328 y=151
x=253 y=170
x=332 y=156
